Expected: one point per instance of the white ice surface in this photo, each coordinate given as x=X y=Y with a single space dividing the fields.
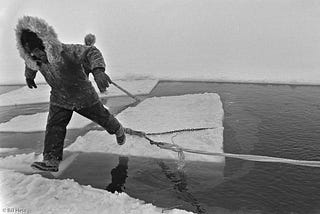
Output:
x=161 y=114
x=41 y=94
x=22 y=162
x=37 y=195
x=5 y=150
x=37 y=122
x=19 y=162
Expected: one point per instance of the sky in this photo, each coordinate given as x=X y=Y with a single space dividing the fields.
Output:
x=231 y=40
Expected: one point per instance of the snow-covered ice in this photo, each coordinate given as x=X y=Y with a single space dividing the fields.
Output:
x=22 y=162
x=162 y=114
x=153 y=115
x=19 y=162
x=35 y=194
x=41 y=94
x=37 y=122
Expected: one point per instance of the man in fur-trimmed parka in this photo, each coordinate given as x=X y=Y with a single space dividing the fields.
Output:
x=62 y=67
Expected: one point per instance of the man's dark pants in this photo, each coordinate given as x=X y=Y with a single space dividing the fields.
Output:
x=58 y=120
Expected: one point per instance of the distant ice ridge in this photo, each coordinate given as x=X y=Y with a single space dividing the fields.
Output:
x=5 y=150
x=37 y=195
x=232 y=75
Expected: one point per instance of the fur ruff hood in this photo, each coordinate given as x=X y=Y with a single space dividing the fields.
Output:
x=46 y=33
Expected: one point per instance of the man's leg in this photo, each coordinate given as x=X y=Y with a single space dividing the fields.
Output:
x=56 y=129
x=57 y=122
x=99 y=114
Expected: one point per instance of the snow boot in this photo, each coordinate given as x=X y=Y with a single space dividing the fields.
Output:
x=47 y=165
x=121 y=136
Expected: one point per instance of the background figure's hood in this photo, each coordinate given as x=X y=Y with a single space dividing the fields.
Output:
x=45 y=32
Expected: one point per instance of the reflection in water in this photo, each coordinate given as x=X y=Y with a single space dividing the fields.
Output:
x=119 y=176
x=179 y=179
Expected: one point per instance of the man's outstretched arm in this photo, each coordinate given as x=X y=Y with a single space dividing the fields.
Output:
x=97 y=66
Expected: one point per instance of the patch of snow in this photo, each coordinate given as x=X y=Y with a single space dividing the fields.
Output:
x=37 y=195
x=20 y=162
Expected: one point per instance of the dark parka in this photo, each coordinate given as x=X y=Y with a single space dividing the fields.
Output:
x=71 y=89
x=70 y=86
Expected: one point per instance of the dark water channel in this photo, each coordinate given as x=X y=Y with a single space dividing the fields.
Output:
x=273 y=120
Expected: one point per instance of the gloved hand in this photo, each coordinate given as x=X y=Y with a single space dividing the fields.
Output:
x=102 y=79
x=31 y=83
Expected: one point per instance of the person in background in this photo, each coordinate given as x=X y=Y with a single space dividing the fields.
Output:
x=62 y=66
